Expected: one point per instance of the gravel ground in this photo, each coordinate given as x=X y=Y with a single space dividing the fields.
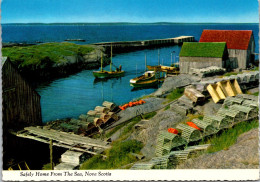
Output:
x=174 y=82
x=242 y=155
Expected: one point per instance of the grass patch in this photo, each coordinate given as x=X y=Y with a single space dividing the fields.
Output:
x=175 y=94
x=44 y=54
x=129 y=126
x=250 y=93
x=229 y=137
x=119 y=155
x=167 y=107
x=149 y=115
x=145 y=97
x=47 y=166
x=231 y=73
x=256 y=68
x=114 y=130
x=193 y=116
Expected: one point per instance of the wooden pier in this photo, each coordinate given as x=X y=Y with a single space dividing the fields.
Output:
x=65 y=140
x=126 y=46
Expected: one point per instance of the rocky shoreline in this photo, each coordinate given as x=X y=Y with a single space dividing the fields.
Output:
x=45 y=68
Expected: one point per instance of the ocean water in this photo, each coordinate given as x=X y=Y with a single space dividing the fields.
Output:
x=78 y=93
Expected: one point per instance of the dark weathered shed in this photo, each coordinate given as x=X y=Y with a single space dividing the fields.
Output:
x=21 y=103
x=202 y=55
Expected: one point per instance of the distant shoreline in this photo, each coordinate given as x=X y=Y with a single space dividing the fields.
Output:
x=119 y=23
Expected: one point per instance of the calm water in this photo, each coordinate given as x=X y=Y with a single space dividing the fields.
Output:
x=76 y=94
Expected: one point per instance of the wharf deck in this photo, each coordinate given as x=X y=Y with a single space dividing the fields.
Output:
x=125 y=46
x=65 y=140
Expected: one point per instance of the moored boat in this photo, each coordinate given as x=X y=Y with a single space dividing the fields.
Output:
x=108 y=74
x=147 y=83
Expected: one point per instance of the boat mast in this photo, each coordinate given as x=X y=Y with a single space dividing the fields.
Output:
x=158 y=57
x=145 y=62
x=171 y=59
x=101 y=61
x=111 y=59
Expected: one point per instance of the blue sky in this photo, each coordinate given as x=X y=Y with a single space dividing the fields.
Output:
x=73 y=11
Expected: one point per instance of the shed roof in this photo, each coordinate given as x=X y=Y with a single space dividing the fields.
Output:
x=195 y=49
x=235 y=39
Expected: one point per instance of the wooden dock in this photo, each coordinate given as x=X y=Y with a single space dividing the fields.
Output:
x=65 y=140
x=126 y=46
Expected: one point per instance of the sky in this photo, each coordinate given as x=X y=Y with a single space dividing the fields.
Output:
x=139 y=11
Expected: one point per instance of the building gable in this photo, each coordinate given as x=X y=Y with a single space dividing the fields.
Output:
x=195 y=49
x=235 y=39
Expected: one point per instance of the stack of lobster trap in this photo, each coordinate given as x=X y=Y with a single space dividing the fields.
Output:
x=241 y=108
x=93 y=120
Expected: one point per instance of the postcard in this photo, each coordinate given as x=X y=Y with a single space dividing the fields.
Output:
x=130 y=90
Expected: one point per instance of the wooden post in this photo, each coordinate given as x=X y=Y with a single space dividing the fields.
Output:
x=51 y=160
x=101 y=61
x=158 y=57
x=145 y=62
x=111 y=58
x=171 y=58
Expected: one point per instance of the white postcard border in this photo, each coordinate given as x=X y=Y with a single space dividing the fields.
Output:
x=129 y=175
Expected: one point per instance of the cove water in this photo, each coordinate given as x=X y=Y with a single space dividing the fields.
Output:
x=76 y=94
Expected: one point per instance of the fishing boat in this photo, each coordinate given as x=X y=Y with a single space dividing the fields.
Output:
x=145 y=80
x=173 y=69
x=108 y=74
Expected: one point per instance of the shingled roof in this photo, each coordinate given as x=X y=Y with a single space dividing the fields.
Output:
x=196 y=49
x=235 y=39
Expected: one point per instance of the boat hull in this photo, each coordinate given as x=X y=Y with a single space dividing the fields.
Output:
x=107 y=74
x=140 y=80
x=149 y=83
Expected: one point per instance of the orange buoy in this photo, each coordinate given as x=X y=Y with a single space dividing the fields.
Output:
x=172 y=130
x=121 y=107
x=130 y=104
x=193 y=125
x=135 y=103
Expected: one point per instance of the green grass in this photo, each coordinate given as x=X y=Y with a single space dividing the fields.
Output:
x=145 y=97
x=129 y=128
x=126 y=131
x=129 y=124
x=256 y=94
x=167 y=107
x=114 y=130
x=47 y=166
x=255 y=68
x=196 y=49
x=119 y=155
x=231 y=73
x=149 y=115
x=229 y=137
x=44 y=54
x=175 y=94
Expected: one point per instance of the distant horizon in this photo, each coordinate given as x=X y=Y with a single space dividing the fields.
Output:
x=133 y=23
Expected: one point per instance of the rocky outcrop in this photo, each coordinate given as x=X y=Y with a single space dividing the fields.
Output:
x=65 y=66
x=174 y=82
